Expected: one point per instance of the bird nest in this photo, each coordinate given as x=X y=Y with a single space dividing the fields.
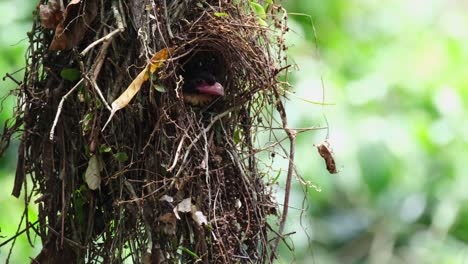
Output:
x=165 y=181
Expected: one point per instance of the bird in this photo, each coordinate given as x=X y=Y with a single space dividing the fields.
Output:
x=201 y=87
x=203 y=71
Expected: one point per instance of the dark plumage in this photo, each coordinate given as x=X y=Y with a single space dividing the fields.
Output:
x=201 y=88
x=203 y=73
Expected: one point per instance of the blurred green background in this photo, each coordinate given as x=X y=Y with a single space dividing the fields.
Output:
x=397 y=74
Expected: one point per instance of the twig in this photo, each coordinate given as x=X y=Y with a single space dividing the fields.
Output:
x=108 y=37
x=105 y=38
x=18 y=234
x=176 y=157
x=71 y=242
x=93 y=83
x=197 y=138
x=168 y=21
x=12 y=78
x=59 y=108
x=292 y=148
x=147 y=225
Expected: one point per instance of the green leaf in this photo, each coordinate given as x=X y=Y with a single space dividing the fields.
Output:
x=104 y=149
x=86 y=122
x=78 y=206
x=121 y=156
x=277 y=177
x=221 y=14
x=70 y=74
x=262 y=22
x=188 y=251
x=159 y=88
x=237 y=136
x=258 y=9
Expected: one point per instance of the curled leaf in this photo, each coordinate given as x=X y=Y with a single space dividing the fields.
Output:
x=326 y=153
x=76 y=20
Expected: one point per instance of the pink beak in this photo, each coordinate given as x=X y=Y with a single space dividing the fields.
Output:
x=215 y=89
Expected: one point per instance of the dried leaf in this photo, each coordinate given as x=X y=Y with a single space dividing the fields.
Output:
x=77 y=18
x=199 y=218
x=51 y=14
x=167 y=198
x=326 y=153
x=136 y=84
x=93 y=172
x=127 y=95
x=159 y=58
x=184 y=207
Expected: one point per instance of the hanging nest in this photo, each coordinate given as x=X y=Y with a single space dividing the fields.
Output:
x=164 y=181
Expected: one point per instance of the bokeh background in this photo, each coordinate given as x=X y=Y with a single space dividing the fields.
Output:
x=396 y=74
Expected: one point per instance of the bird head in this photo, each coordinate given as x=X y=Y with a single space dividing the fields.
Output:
x=201 y=88
x=203 y=83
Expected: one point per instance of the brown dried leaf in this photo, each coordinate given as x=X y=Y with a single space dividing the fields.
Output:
x=326 y=153
x=51 y=14
x=76 y=20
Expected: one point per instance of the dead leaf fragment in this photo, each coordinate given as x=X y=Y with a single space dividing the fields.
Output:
x=51 y=14
x=184 y=207
x=199 y=218
x=159 y=58
x=76 y=21
x=326 y=153
x=136 y=84
x=166 y=198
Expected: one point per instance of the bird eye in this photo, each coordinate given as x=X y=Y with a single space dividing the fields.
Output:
x=199 y=81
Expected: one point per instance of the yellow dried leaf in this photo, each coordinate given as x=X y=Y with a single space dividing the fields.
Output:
x=127 y=95
x=159 y=58
x=156 y=61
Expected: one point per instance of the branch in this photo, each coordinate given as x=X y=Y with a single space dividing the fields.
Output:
x=59 y=108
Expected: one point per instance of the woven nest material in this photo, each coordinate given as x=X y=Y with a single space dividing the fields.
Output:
x=172 y=182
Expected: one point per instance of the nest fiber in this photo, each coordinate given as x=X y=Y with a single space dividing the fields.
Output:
x=165 y=181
